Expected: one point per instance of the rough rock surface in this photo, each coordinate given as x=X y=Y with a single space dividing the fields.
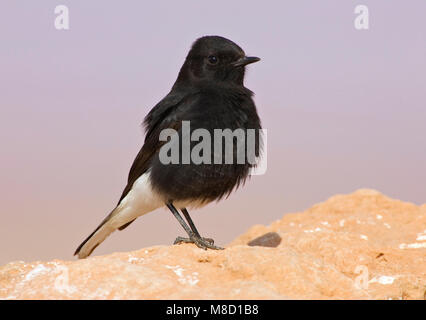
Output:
x=358 y=246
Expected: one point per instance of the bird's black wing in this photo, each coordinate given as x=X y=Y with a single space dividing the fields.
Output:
x=164 y=115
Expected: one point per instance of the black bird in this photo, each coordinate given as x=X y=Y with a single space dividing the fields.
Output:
x=209 y=92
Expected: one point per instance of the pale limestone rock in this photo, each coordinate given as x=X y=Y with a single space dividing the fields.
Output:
x=358 y=246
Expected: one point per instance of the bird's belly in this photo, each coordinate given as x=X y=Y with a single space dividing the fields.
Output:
x=190 y=204
x=196 y=186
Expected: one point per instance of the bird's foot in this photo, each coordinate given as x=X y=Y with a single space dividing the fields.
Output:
x=203 y=243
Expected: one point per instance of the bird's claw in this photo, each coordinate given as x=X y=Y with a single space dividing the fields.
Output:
x=200 y=242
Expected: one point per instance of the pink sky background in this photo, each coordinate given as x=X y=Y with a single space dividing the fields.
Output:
x=344 y=109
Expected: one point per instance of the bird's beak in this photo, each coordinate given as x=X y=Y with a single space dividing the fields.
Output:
x=245 y=61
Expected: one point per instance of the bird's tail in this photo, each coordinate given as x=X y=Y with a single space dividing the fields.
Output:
x=96 y=237
x=139 y=200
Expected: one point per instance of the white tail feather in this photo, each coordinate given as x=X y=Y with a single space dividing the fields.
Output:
x=140 y=200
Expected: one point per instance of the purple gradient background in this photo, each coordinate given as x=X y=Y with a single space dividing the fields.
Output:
x=344 y=109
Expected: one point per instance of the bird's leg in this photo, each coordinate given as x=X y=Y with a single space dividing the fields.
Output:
x=190 y=222
x=193 y=234
x=180 y=219
x=197 y=239
x=193 y=227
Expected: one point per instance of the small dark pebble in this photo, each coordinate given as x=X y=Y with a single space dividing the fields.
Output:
x=270 y=239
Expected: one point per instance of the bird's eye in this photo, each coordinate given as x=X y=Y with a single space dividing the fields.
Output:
x=212 y=59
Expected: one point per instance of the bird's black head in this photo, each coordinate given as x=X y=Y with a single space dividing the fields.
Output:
x=214 y=58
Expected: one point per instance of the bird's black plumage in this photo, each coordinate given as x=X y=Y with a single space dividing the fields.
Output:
x=209 y=92
x=211 y=99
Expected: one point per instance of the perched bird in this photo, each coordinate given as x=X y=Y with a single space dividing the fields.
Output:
x=209 y=93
